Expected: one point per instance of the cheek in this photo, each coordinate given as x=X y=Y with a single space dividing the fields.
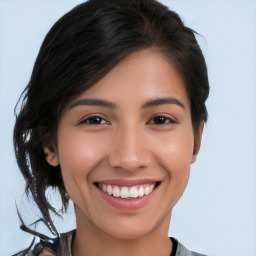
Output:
x=175 y=158
x=79 y=152
x=176 y=151
x=175 y=155
x=78 y=155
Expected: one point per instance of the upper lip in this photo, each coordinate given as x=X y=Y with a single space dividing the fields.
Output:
x=127 y=182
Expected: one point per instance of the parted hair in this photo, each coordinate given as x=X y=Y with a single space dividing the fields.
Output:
x=80 y=48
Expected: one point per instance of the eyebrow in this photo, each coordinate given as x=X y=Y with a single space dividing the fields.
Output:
x=162 y=101
x=94 y=102
x=112 y=105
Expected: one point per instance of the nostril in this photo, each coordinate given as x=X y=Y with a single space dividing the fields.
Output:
x=128 y=163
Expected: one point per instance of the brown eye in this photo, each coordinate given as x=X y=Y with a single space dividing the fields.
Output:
x=158 y=120
x=94 y=120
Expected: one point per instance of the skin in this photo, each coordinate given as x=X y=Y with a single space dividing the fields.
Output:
x=127 y=143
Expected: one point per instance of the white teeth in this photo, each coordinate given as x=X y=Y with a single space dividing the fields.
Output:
x=146 y=190
x=141 y=192
x=104 y=188
x=127 y=192
x=116 y=192
x=109 y=190
x=134 y=192
x=124 y=192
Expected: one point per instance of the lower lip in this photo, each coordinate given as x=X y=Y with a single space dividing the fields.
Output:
x=128 y=204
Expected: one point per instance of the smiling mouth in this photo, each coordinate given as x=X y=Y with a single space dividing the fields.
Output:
x=127 y=192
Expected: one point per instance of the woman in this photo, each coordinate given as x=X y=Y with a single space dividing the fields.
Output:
x=113 y=118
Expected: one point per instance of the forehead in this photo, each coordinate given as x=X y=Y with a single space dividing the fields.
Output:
x=142 y=75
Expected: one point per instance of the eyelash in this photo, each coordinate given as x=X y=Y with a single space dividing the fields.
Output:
x=162 y=118
x=166 y=120
x=93 y=118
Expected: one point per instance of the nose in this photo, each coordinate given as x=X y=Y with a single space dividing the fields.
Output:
x=130 y=151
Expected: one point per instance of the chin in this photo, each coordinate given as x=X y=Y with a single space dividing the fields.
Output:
x=129 y=234
x=129 y=230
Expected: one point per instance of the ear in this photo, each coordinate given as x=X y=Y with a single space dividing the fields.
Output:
x=51 y=156
x=197 y=143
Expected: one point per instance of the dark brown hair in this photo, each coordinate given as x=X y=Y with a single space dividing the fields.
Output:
x=84 y=45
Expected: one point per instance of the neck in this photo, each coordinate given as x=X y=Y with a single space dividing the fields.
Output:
x=90 y=240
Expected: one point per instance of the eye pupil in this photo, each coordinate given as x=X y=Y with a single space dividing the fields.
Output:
x=95 y=120
x=159 y=120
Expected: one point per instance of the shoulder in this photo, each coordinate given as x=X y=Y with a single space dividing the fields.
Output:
x=183 y=251
x=54 y=247
x=45 y=248
x=50 y=247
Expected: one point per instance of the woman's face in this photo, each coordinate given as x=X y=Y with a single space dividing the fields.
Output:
x=128 y=134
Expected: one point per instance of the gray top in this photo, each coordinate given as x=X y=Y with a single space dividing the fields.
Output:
x=62 y=247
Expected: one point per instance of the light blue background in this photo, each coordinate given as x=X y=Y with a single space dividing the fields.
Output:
x=217 y=214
